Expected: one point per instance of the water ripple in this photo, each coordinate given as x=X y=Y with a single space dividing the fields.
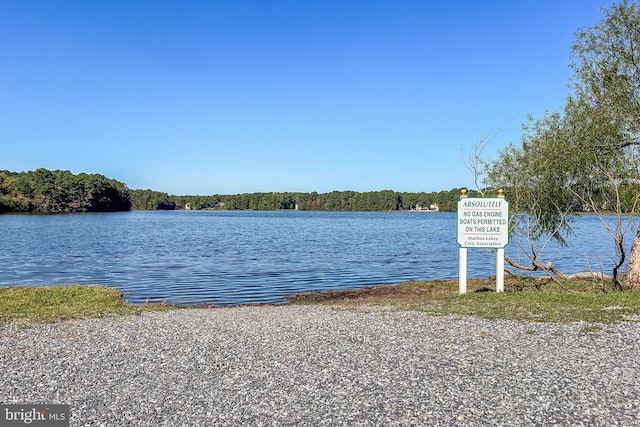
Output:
x=248 y=257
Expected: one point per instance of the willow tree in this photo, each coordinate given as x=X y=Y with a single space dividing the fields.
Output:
x=584 y=157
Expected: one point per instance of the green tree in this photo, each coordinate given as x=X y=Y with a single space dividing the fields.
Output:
x=584 y=156
x=43 y=190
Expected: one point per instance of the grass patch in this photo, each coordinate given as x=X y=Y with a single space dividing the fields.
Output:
x=51 y=303
x=525 y=299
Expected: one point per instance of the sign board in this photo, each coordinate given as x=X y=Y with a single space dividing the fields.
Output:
x=483 y=222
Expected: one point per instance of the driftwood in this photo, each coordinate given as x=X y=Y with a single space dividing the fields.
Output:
x=555 y=275
x=590 y=276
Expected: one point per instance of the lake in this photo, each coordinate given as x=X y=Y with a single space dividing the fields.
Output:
x=238 y=257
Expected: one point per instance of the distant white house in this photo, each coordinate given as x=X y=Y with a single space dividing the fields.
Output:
x=431 y=208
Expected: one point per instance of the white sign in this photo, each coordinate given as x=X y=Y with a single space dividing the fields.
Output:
x=483 y=222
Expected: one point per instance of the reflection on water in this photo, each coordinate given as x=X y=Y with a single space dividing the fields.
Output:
x=210 y=257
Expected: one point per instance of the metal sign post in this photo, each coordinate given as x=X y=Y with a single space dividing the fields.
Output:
x=483 y=222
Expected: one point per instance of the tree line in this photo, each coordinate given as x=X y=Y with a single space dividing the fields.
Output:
x=385 y=200
x=56 y=191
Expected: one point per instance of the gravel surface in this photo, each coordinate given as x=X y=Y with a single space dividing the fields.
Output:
x=317 y=366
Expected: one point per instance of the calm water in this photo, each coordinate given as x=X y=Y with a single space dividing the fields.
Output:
x=212 y=257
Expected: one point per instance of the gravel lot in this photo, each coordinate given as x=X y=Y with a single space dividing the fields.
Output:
x=316 y=366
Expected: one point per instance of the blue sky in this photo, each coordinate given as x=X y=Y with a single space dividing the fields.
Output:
x=233 y=96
